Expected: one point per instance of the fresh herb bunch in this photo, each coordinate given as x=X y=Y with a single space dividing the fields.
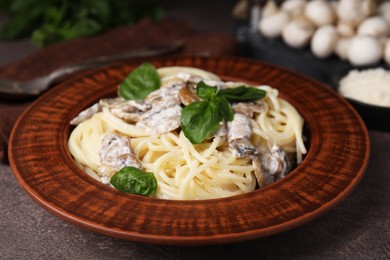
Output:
x=51 y=21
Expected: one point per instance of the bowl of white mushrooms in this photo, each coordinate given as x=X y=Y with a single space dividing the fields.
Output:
x=354 y=30
x=339 y=42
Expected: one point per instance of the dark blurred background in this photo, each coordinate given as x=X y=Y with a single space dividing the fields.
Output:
x=34 y=24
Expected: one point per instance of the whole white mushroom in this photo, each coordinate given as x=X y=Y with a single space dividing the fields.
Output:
x=320 y=12
x=324 y=41
x=375 y=26
x=335 y=6
x=386 y=53
x=293 y=7
x=298 y=32
x=345 y=29
x=342 y=47
x=384 y=10
x=364 y=50
x=272 y=26
x=270 y=8
x=354 y=12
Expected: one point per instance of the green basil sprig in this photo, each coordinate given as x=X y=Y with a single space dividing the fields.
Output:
x=132 y=180
x=140 y=82
x=201 y=119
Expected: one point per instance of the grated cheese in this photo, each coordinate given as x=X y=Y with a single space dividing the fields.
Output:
x=370 y=86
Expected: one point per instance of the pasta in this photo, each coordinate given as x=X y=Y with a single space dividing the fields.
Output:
x=192 y=171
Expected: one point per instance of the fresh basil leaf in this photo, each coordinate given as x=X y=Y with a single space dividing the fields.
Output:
x=224 y=108
x=205 y=91
x=242 y=94
x=140 y=82
x=200 y=120
x=132 y=180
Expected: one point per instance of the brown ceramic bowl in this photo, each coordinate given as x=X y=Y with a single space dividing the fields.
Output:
x=338 y=151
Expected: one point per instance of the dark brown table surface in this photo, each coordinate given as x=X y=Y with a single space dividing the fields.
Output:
x=358 y=228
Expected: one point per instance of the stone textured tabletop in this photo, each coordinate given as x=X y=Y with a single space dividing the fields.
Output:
x=358 y=228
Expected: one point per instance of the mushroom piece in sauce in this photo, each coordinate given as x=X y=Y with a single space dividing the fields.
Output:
x=86 y=114
x=239 y=133
x=165 y=114
x=271 y=164
x=115 y=153
x=129 y=111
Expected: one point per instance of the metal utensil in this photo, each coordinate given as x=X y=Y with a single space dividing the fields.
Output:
x=21 y=90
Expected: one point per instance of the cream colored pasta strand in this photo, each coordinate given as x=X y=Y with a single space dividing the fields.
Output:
x=232 y=167
x=84 y=142
x=193 y=172
x=297 y=123
x=168 y=73
x=212 y=147
x=171 y=156
x=121 y=126
x=191 y=148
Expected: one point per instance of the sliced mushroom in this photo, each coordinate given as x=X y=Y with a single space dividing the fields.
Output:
x=187 y=95
x=271 y=164
x=86 y=114
x=116 y=153
x=249 y=108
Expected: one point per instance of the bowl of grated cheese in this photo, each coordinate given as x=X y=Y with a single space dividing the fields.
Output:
x=368 y=90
